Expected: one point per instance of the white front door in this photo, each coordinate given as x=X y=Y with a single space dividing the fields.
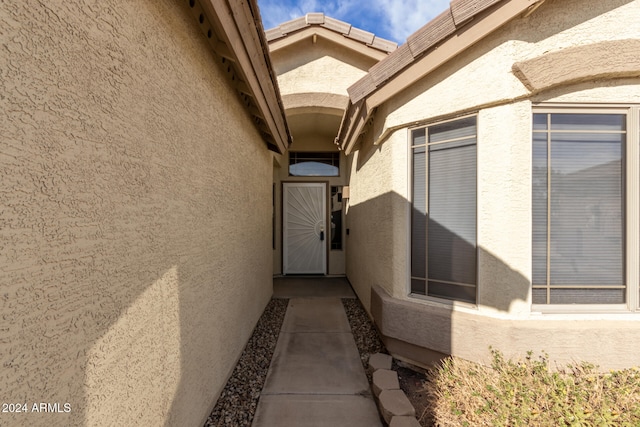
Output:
x=304 y=238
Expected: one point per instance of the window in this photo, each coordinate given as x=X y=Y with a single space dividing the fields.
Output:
x=314 y=164
x=579 y=207
x=336 y=218
x=443 y=218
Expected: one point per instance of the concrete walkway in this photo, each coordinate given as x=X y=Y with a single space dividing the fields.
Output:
x=316 y=377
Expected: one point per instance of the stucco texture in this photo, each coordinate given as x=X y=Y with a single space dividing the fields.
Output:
x=556 y=25
x=313 y=78
x=481 y=81
x=376 y=217
x=318 y=67
x=134 y=263
x=504 y=118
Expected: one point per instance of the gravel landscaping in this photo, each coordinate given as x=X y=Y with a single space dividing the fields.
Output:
x=413 y=381
x=364 y=332
x=238 y=401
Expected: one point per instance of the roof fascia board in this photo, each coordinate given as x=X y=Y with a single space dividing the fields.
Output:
x=482 y=25
x=254 y=39
x=472 y=31
x=356 y=125
x=241 y=34
x=326 y=34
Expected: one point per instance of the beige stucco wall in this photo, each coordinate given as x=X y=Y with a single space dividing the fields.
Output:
x=557 y=24
x=502 y=317
x=133 y=262
x=319 y=72
x=324 y=67
x=377 y=217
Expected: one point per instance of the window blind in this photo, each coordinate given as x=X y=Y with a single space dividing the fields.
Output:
x=578 y=210
x=443 y=242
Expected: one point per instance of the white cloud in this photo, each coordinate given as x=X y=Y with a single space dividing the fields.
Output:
x=274 y=13
x=404 y=17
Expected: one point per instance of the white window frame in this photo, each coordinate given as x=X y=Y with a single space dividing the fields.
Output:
x=631 y=202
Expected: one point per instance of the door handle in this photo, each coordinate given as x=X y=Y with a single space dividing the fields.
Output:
x=321 y=235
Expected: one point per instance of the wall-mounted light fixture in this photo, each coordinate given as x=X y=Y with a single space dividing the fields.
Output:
x=345 y=192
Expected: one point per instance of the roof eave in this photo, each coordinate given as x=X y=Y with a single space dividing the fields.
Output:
x=335 y=26
x=309 y=32
x=238 y=39
x=449 y=34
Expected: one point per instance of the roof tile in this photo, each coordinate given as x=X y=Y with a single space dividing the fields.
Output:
x=336 y=25
x=315 y=18
x=361 y=35
x=436 y=30
x=384 y=45
x=463 y=10
x=395 y=62
x=361 y=88
x=293 y=25
x=274 y=34
x=341 y=27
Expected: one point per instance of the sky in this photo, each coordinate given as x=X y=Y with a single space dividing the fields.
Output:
x=390 y=19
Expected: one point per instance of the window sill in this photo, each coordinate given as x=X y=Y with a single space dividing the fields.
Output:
x=586 y=309
x=441 y=302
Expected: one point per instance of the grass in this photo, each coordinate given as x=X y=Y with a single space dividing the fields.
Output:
x=528 y=393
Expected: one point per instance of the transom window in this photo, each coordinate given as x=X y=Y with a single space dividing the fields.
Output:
x=579 y=207
x=314 y=164
x=443 y=219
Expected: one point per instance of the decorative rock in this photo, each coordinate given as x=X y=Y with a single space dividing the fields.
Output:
x=404 y=421
x=380 y=361
x=395 y=403
x=384 y=379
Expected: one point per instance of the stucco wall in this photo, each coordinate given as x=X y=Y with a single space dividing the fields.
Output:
x=376 y=217
x=481 y=81
x=504 y=118
x=318 y=67
x=315 y=75
x=504 y=208
x=556 y=25
x=133 y=262
x=336 y=257
x=421 y=332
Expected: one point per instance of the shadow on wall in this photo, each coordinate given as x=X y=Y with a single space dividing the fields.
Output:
x=379 y=261
x=366 y=152
x=128 y=207
x=379 y=258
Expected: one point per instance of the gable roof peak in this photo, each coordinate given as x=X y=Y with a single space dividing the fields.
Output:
x=319 y=19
